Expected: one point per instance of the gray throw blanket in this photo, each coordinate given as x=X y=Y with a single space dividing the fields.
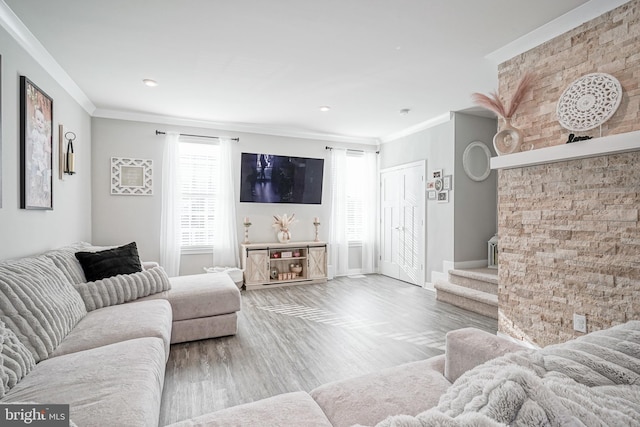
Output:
x=591 y=381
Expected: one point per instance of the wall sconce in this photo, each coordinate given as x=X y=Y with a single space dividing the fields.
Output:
x=69 y=159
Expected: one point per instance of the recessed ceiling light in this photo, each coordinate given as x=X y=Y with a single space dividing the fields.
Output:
x=325 y=108
x=150 y=83
x=404 y=111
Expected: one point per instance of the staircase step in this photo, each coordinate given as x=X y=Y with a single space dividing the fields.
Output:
x=481 y=279
x=470 y=299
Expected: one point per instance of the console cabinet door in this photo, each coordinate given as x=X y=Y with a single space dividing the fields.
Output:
x=257 y=270
x=317 y=257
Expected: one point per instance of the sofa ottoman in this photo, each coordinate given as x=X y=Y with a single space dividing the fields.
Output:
x=203 y=305
x=406 y=389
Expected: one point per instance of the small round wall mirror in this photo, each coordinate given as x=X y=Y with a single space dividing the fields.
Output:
x=476 y=161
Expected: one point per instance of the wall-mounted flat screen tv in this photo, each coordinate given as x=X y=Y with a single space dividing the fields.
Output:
x=267 y=178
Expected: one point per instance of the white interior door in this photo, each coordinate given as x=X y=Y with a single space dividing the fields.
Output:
x=402 y=222
x=390 y=223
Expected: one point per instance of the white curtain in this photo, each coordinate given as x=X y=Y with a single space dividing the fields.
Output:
x=225 y=246
x=170 y=214
x=338 y=234
x=369 y=212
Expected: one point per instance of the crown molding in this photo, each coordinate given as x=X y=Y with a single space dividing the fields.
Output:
x=21 y=34
x=570 y=20
x=442 y=118
x=231 y=127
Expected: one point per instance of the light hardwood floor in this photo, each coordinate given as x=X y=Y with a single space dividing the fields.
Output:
x=300 y=337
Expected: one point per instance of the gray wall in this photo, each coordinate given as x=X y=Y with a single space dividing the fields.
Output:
x=436 y=146
x=476 y=202
x=456 y=232
x=121 y=219
x=27 y=232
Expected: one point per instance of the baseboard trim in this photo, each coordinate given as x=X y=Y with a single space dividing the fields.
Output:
x=479 y=263
x=438 y=275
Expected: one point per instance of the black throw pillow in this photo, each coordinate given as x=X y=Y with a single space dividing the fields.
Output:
x=111 y=262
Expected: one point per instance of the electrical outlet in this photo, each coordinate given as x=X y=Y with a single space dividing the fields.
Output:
x=580 y=323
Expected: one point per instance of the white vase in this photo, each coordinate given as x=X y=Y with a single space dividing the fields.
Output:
x=508 y=140
x=284 y=236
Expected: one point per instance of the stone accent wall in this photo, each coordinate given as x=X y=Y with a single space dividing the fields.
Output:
x=569 y=237
x=608 y=44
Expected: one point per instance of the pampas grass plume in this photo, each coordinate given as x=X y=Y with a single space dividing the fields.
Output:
x=494 y=103
x=521 y=91
x=491 y=102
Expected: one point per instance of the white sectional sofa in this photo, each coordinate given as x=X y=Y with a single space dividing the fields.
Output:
x=107 y=363
x=61 y=343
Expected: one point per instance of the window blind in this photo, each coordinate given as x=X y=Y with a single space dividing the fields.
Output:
x=355 y=202
x=199 y=184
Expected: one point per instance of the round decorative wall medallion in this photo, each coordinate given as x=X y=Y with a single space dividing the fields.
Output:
x=589 y=102
x=476 y=161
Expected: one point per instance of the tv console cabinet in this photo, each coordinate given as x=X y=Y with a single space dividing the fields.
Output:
x=270 y=264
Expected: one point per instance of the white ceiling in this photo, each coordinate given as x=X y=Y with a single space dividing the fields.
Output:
x=271 y=64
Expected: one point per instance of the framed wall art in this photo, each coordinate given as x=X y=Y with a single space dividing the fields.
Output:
x=447 y=182
x=131 y=177
x=36 y=147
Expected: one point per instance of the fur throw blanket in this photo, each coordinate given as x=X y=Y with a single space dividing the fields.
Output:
x=591 y=381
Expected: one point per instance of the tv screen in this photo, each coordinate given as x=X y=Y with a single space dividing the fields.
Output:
x=267 y=178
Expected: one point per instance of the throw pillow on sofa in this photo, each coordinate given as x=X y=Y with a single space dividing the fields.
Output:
x=123 y=288
x=111 y=262
x=38 y=304
x=16 y=360
x=65 y=259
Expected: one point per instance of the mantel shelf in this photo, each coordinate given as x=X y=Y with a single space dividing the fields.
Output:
x=620 y=143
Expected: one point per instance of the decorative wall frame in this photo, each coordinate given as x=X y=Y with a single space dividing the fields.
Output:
x=432 y=195
x=131 y=177
x=476 y=161
x=36 y=147
x=436 y=174
x=589 y=102
x=443 y=196
x=447 y=182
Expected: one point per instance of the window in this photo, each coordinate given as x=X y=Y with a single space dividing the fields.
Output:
x=199 y=186
x=355 y=196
